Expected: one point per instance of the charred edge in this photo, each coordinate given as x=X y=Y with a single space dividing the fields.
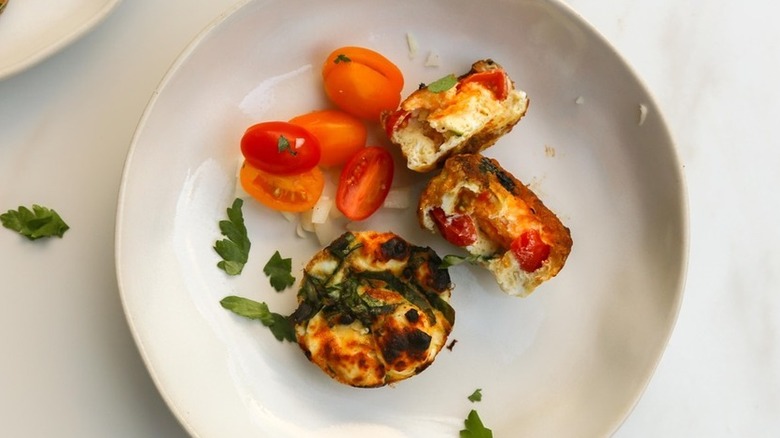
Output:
x=412 y=342
x=395 y=249
x=486 y=165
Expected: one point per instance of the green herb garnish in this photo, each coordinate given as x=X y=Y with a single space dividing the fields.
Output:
x=284 y=145
x=476 y=395
x=234 y=250
x=475 y=428
x=443 y=84
x=36 y=223
x=341 y=58
x=452 y=260
x=281 y=327
x=279 y=272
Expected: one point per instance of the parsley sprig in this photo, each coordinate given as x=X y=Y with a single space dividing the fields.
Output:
x=281 y=326
x=279 y=272
x=34 y=224
x=234 y=250
x=283 y=144
x=474 y=427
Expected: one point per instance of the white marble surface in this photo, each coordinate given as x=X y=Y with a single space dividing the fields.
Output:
x=71 y=369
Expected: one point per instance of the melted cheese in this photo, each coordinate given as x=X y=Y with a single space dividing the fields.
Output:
x=394 y=341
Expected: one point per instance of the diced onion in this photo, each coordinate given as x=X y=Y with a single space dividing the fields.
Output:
x=290 y=216
x=397 y=198
x=300 y=232
x=411 y=41
x=306 y=222
x=329 y=230
x=321 y=210
x=642 y=114
x=432 y=60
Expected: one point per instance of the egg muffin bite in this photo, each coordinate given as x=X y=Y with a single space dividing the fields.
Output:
x=373 y=309
x=436 y=122
x=477 y=205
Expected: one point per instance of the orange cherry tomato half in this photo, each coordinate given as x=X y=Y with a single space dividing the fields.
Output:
x=280 y=148
x=340 y=135
x=362 y=82
x=364 y=183
x=293 y=193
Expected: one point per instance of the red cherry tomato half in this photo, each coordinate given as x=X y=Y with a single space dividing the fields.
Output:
x=458 y=229
x=393 y=121
x=364 y=183
x=530 y=250
x=494 y=80
x=280 y=148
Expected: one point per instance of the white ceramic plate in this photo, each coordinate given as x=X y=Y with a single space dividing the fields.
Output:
x=571 y=360
x=32 y=30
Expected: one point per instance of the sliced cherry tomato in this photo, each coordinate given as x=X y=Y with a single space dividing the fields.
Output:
x=280 y=148
x=494 y=80
x=294 y=193
x=364 y=183
x=340 y=135
x=458 y=229
x=530 y=250
x=362 y=82
x=394 y=121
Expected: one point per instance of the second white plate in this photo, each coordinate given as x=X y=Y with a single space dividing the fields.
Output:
x=32 y=30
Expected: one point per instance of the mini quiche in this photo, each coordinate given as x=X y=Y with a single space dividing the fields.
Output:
x=373 y=309
x=467 y=117
x=477 y=205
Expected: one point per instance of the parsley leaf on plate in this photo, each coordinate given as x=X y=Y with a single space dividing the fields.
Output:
x=476 y=395
x=234 y=250
x=279 y=271
x=475 y=428
x=443 y=84
x=281 y=326
x=36 y=223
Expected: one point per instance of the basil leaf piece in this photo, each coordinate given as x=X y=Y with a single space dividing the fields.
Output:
x=475 y=428
x=443 y=84
x=476 y=395
x=281 y=326
x=450 y=260
x=234 y=250
x=279 y=271
x=34 y=224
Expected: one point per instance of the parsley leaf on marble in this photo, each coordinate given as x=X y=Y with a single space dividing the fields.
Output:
x=279 y=271
x=234 y=250
x=34 y=224
x=475 y=428
x=281 y=326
